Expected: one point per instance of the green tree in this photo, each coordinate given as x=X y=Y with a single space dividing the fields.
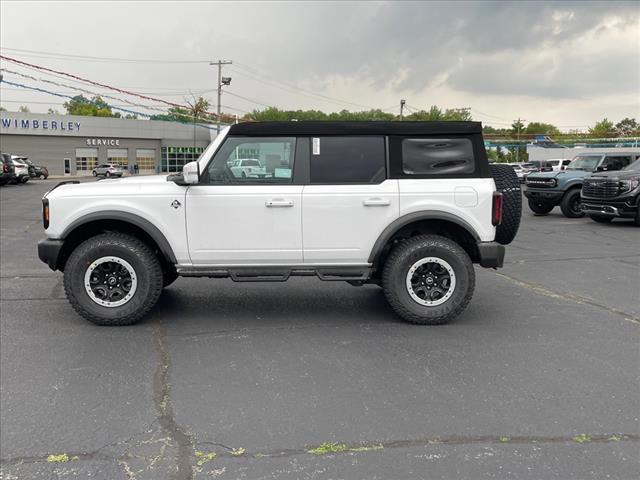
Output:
x=24 y=109
x=51 y=111
x=540 y=128
x=602 y=128
x=2 y=109
x=517 y=127
x=95 y=107
x=627 y=126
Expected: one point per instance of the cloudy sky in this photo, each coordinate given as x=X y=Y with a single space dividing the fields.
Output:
x=567 y=63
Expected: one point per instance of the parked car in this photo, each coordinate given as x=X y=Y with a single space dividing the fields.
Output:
x=35 y=171
x=247 y=168
x=22 y=170
x=520 y=171
x=339 y=206
x=545 y=190
x=8 y=170
x=607 y=195
x=108 y=170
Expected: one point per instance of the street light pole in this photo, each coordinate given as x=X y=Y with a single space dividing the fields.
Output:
x=402 y=102
x=219 y=63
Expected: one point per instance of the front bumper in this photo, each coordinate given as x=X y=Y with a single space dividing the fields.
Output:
x=491 y=254
x=625 y=208
x=551 y=196
x=49 y=252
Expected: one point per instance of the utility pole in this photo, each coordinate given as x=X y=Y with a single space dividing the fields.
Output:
x=221 y=81
x=518 y=123
x=402 y=102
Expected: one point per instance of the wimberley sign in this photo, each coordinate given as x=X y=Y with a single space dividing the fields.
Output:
x=32 y=124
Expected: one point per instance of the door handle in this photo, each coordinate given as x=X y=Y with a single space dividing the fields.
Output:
x=377 y=202
x=278 y=202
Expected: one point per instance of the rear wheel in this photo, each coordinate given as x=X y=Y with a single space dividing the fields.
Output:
x=571 y=204
x=113 y=279
x=108 y=174
x=95 y=174
x=540 y=208
x=428 y=279
x=508 y=184
x=601 y=218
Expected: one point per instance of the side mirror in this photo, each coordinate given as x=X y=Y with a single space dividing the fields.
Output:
x=601 y=168
x=191 y=173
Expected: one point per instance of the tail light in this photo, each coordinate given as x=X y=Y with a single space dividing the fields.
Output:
x=496 y=209
x=45 y=213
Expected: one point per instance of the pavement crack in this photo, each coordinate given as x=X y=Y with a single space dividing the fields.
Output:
x=569 y=297
x=164 y=407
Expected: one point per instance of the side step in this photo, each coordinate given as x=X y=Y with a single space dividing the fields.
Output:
x=279 y=274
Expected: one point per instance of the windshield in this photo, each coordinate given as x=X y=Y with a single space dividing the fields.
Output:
x=584 y=162
x=634 y=165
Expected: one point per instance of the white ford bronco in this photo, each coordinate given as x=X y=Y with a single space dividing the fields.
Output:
x=409 y=206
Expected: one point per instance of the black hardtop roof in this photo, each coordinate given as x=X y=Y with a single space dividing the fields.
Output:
x=354 y=128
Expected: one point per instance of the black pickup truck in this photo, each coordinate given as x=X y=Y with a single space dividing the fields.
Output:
x=607 y=195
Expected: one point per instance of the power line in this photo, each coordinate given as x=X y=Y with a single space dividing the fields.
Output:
x=92 y=58
x=76 y=77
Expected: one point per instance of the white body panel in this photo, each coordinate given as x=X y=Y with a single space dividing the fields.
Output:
x=148 y=197
x=244 y=224
x=454 y=197
x=340 y=223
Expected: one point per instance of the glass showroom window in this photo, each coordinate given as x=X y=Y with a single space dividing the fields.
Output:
x=118 y=156
x=173 y=158
x=146 y=160
x=86 y=160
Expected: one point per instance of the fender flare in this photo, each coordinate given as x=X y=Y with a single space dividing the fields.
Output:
x=145 y=225
x=398 y=223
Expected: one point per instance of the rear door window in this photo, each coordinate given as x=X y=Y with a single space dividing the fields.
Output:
x=347 y=160
x=437 y=156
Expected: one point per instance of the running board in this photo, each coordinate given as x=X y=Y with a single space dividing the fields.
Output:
x=279 y=274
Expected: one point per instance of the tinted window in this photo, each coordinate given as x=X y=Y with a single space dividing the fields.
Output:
x=253 y=160
x=347 y=160
x=617 y=162
x=437 y=156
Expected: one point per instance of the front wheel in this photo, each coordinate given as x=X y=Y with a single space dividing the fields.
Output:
x=113 y=279
x=108 y=174
x=95 y=174
x=540 y=208
x=428 y=280
x=571 y=205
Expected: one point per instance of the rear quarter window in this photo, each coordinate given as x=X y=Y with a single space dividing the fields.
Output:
x=347 y=160
x=437 y=156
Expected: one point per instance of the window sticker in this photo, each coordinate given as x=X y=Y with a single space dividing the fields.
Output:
x=316 y=146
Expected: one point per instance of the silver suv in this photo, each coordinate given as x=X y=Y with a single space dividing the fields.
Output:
x=108 y=170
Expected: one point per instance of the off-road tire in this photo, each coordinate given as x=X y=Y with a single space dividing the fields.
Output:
x=396 y=268
x=508 y=184
x=138 y=254
x=568 y=204
x=637 y=219
x=540 y=208
x=601 y=218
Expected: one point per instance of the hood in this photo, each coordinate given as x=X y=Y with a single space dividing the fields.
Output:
x=621 y=174
x=147 y=184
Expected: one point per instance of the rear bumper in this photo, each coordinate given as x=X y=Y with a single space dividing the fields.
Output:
x=491 y=254
x=49 y=252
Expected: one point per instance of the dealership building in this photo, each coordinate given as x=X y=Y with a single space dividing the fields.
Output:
x=75 y=145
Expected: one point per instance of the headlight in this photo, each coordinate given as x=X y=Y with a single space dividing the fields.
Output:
x=629 y=184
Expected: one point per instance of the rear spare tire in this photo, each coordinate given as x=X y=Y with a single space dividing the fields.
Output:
x=508 y=184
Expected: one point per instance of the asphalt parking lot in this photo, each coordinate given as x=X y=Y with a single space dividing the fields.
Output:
x=539 y=378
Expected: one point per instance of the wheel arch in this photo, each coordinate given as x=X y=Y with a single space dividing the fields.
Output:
x=437 y=222
x=114 y=220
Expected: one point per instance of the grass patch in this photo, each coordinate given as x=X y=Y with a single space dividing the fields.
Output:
x=61 y=458
x=366 y=448
x=504 y=439
x=582 y=438
x=236 y=452
x=205 y=457
x=328 y=447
